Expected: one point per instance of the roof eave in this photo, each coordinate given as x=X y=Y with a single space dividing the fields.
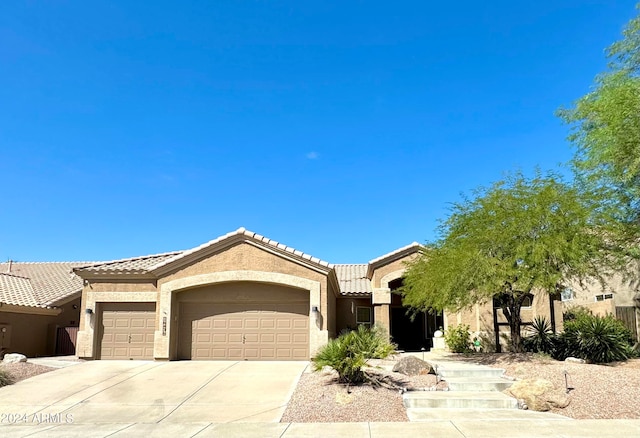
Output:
x=392 y=257
x=31 y=310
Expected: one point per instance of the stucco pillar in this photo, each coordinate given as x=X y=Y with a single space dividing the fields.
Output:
x=381 y=300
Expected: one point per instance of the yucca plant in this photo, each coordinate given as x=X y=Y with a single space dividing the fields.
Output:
x=349 y=353
x=540 y=337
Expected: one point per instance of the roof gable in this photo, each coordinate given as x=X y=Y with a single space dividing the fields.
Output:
x=392 y=256
x=241 y=235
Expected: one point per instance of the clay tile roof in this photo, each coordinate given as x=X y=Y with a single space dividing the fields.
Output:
x=395 y=252
x=39 y=284
x=353 y=279
x=139 y=264
x=241 y=232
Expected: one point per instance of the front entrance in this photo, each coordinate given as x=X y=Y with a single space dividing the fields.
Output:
x=411 y=332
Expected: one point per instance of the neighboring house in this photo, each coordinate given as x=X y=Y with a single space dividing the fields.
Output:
x=39 y=308
x=619 y=296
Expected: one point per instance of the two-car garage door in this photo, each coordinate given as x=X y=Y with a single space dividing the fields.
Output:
x=244 y=321
x=259 y=331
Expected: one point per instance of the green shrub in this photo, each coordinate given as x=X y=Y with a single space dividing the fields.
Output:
x=349 y=353
x=595 y=339
x=457 y=339
x=5 y=378
x=576 y=312
x=540 y=338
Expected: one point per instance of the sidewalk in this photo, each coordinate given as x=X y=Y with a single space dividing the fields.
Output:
x=456 y=429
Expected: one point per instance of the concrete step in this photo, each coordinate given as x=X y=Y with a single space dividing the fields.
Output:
x=478 y=384
x=431 y=414
x=458 y=399
x=445 y=371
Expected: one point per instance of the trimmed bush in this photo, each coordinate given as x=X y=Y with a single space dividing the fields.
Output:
x=457 y=339
x=349 y=353
x=595 y=339
x=540 y=337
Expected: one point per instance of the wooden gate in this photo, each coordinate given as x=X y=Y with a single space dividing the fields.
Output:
x=627 y=314
x=66 y=341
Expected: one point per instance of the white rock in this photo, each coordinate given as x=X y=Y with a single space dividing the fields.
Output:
x=14 y=358
x=574 y=360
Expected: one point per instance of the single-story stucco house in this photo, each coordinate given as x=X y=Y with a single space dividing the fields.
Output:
x=39 y=308
x=241 y=296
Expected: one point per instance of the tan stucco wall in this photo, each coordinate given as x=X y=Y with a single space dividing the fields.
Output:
x=35 y=335
x=244 y=261
x=332 y=303
x=623 y=291
x=479 y=318
x=109 y=291
x=382 y=271
x=346 y=319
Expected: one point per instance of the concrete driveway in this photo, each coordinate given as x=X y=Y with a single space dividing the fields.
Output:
x=154 y=392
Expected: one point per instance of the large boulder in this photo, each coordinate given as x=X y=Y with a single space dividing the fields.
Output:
x=14 y=358
x=538 y=394
x=412 y=366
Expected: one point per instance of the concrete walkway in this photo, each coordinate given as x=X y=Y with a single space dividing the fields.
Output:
x=455 y=429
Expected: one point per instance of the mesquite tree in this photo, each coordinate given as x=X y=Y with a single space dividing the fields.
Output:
x=518 y=237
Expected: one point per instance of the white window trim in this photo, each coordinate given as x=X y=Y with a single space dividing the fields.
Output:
x=603 y=297
x=573 y=295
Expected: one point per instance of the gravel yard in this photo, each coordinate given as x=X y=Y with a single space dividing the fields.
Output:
x=600 y=391
x=23 y=370
x=319 y=398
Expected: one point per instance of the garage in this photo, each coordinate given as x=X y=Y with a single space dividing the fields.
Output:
x=244 y=321
x=127 y=331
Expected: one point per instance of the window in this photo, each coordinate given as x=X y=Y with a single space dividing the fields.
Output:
x=567 y=294
x=363 y=316
x=603 y=297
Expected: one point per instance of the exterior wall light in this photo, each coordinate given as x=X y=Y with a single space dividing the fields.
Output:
x=314 y=309
x=88 y=311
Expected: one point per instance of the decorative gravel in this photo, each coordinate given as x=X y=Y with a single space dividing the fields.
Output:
x=23 y=370
x=320 y=398
x=599 y=391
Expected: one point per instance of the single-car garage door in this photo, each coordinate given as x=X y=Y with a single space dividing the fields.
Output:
x=127 y=330
x=244 y=331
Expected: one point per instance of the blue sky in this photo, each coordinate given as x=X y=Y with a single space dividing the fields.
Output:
x=343 y=129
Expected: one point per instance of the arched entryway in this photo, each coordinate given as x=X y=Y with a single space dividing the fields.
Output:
x=411 y=332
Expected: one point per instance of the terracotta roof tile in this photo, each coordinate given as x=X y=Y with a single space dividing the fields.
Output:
x=397 y=251
x=49 y=282
x=139 y=264
x=239 y=232
x=353 y=279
